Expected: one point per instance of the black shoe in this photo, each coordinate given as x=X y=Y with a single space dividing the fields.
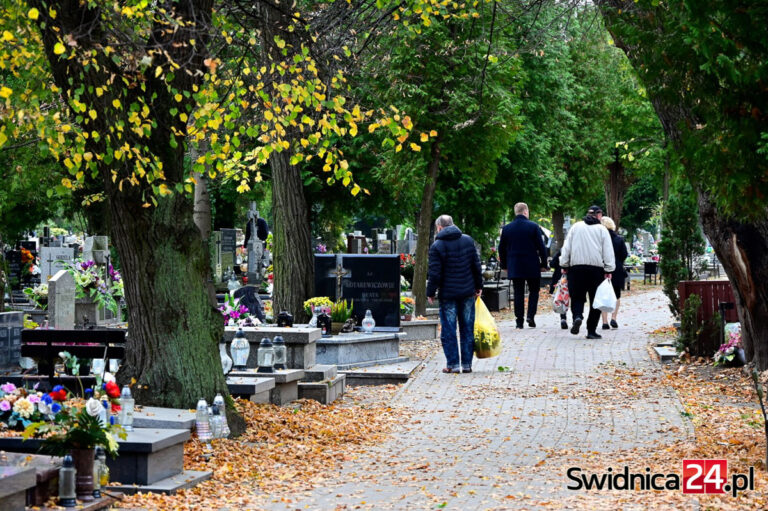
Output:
x=576 y=325
x=466 y=370
x=606 y=327
x=519 y=326
x=531 y=323
x=614 y=324
x=563 y=324
x=594 y=335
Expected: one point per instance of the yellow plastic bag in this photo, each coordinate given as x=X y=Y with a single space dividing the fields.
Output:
x=487 y=338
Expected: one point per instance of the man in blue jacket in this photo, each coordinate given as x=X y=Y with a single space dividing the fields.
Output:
x=454 y=268
x=522 y=254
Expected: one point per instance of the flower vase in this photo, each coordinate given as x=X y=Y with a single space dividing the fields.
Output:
x=83 y=459
x=739 y=359
x=336 y=327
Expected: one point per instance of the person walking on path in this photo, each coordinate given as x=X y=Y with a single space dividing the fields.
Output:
x=454 y=269
x=618 y=275
x=523 y=255
x=587 y=258
x=557 y=273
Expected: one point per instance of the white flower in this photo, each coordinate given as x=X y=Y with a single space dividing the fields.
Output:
x=93 y=407
x=109 y=377
x=43 y=408
x=23 y=407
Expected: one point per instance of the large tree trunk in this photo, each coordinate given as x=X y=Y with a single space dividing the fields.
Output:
x=742 y=248
x=424 y=229
x=616 y=186
x=293 y=262
x=558 y=223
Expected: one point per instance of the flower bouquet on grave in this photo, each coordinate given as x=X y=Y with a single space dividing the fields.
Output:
x=317 y=301
x=90 y=283
x=236 y=314
x=38 y=295
x=731 y=353
x=18 y=406
x=341 y=311
x=407 y=306
x=406 y=267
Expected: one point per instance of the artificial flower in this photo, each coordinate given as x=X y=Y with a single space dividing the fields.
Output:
x=5 y=405
x=113 y=390
x=8 y=387
x=24 y=408
x=93 y=407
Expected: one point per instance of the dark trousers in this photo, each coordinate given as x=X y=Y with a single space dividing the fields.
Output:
x=518 y=285
x=583 y=280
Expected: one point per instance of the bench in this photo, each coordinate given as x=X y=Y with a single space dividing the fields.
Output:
x=45 y=346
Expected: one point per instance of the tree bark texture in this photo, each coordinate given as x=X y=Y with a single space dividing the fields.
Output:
x=558 y=223
x=615 y=188
x=293 y=262
x=425 y=220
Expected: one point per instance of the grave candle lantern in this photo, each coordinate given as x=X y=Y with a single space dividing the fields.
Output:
x=67 y=496
x=266 y=356
x=240 y=349
x=280 y=352
x=284 y=319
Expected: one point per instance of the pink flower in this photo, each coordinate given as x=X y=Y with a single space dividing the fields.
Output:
x=5 y=405
x=8 y=387
x=34 y=398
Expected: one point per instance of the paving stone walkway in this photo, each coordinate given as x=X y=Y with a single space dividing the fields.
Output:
x=471 y=437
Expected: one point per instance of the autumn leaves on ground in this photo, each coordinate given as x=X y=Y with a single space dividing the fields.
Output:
x=290 y=450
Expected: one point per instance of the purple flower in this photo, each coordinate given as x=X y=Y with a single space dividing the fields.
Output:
x=33 y=398
x=5 y=406
x=8 y=387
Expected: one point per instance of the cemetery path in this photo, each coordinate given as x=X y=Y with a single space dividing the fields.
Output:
x=500 y=439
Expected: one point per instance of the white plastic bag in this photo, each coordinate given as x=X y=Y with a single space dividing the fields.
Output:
x=605 y=298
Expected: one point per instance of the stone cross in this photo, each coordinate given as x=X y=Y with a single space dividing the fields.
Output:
x=339 y=274
x=255 y=248
x=61 y=301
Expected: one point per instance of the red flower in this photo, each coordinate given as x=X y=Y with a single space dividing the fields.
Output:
x=116 y=408
x=59 y=395
x=112 y=389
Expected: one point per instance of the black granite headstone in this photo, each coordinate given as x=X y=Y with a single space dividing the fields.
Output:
x=11 y=324
x=13 y=258
x=371 y=281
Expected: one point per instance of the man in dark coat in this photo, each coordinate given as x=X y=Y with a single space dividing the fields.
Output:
x=454 y=268
x=523 y=255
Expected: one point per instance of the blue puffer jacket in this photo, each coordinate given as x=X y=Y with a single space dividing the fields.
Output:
x=454 y=265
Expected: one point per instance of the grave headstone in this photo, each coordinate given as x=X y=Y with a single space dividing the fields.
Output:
x=13 y=258
x=385 y=246
x=412 y=238
x=369 y=281
x=61 y=301
x=402 y=246
x=391 y=234
x=96 y=249
x=228 y=247
x=216 y=256
x=11 y=324
x=52 y=260
x=355 y=243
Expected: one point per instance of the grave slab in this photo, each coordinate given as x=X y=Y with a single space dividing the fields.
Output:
x=169 y=485
x=419 y=330
x=248 y=386
x=666 y=353
x=299 y=343
x=358 y=349
x=46 y=475
x=286 y=381
x=15 y=480
x=320 y=373
x=381 y=374
x=163 y=418
x=326 y=392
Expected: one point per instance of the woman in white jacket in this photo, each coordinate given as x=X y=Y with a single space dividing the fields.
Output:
x=587 y=258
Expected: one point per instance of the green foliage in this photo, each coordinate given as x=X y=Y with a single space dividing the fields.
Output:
x=689 y=324
x=681 y=242
x=341 y=311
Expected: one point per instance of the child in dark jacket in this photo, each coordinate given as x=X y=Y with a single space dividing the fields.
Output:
x=557 y=273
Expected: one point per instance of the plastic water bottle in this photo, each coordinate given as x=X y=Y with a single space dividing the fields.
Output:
x=216 y=425
x=202 y=425
x=219 y=401
x=127 y=405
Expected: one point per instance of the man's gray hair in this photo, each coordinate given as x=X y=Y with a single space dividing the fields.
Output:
x=443 y=221
x=520 y=208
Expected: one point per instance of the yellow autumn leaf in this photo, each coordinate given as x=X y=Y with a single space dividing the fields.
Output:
x=33 y=14
x=268 y=115
x=59 y=48
x=433 y=133
x=7 y=36
x=178 y=98
x=424 y=137
x=158 y=71
x=415 y=147
x=92 y=114
x=3 y=138
x=355 y=190
x=5 y=92
x=116 y=103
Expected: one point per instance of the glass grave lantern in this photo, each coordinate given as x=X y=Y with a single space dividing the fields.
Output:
x=280 y=352
x=240 y=349
x=67 y=495
x=266 y=356
x=368 y=322
x=226 y=361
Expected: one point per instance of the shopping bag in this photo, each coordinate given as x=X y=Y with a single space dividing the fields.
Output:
x=561 y=300
x=605 y=298
x=487 y=338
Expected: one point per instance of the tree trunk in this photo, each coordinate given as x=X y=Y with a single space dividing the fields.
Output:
x=424 y=228
x=202 y=206
x=742 y=248
x=293 y=262
x=615 y=187
x=558 y=223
